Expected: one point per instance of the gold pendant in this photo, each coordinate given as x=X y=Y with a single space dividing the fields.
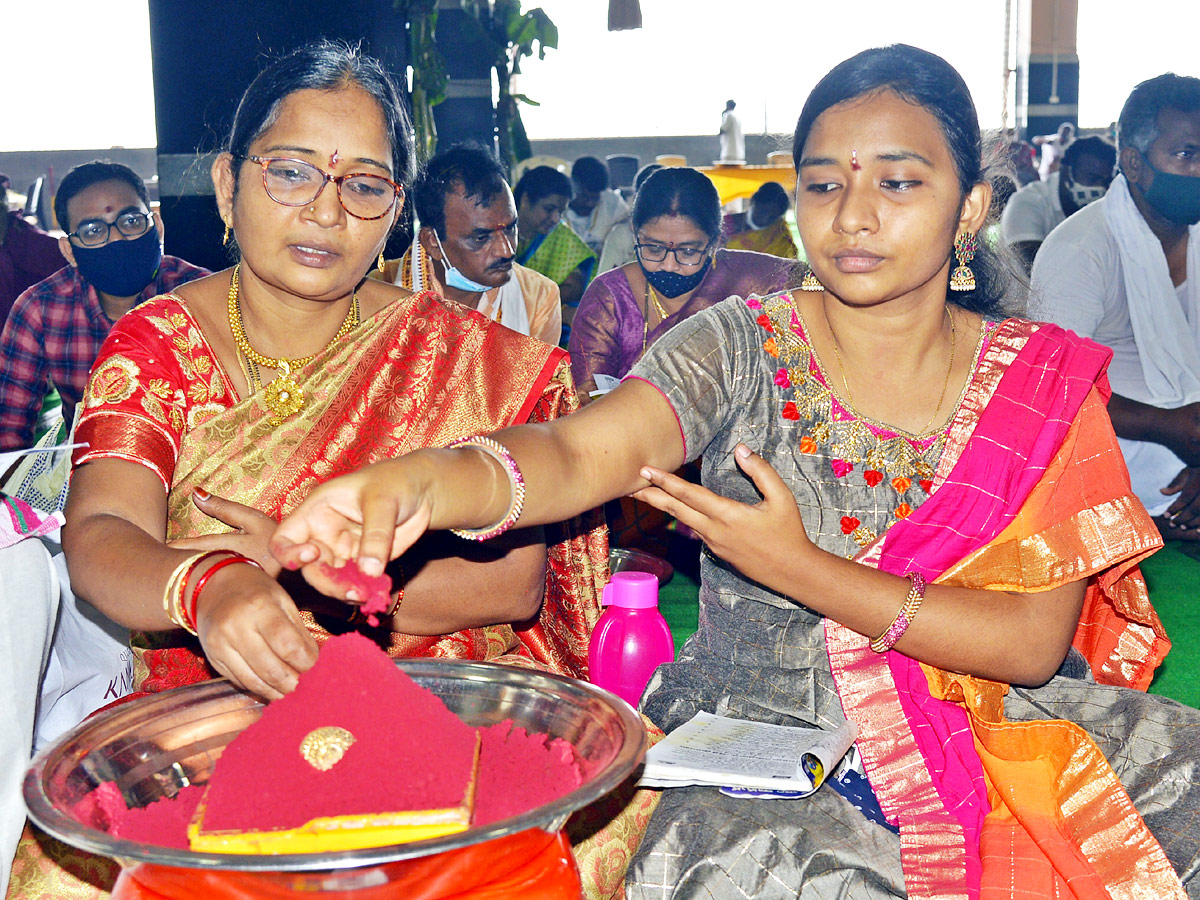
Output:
x=284 y=396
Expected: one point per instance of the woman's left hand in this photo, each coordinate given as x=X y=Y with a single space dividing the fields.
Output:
x=761 y=540
x=253 y=529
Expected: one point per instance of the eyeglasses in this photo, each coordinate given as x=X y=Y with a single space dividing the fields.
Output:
x=94 y=232
x=294 y=182
x=685 y=256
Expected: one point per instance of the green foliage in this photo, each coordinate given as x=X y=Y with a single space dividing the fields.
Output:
x=429 y=70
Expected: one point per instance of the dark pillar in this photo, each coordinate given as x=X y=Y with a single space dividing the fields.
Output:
x=205 y=53
x=1050 y=68
x=467 y=113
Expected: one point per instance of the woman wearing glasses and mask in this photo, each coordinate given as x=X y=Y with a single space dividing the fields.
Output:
x=678 y=272
x=259 y=382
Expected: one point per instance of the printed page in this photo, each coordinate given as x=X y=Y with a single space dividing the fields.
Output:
x=717 y=750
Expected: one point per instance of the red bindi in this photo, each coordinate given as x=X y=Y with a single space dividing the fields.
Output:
x=333 y=159
x=854 y=161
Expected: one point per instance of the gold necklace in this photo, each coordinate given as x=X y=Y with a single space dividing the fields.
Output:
x=658 y=307
x=945 y=383
x=284 y=396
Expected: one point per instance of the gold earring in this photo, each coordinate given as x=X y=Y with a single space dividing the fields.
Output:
x=963 y=278
x=381 y=262
x=811 y=282
x=225 y=239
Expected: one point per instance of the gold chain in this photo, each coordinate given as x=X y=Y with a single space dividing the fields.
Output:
x=658 y=307
x=284 y=396
x=945 y=383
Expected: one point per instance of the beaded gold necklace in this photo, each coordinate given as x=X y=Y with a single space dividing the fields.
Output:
x=284 y=396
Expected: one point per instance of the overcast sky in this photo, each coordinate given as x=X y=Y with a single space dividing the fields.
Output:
x=671 y=77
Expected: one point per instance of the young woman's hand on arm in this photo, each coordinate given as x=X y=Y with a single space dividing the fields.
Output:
x=569 y=465
x=977 y=632
x=114 y=543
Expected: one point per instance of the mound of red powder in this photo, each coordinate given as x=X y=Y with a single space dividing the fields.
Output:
x=519 y=771
x=409 y=752
x=375 y=591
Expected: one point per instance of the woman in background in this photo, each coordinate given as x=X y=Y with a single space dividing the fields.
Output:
x=678 y=272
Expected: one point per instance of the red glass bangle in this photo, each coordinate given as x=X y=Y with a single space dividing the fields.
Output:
x=190 y=611
x=187 y=576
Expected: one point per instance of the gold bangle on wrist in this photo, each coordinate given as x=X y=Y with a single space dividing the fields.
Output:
x=908 y=611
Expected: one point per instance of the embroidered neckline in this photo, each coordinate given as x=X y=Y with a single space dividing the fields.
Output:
x=885 y=454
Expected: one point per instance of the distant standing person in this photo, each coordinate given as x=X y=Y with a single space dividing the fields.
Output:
x=1053 y=147
x=733 y=144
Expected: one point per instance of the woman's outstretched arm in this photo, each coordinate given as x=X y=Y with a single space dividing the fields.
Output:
x=569 y=465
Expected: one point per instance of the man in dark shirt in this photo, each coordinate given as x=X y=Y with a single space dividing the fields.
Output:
x=113 y=248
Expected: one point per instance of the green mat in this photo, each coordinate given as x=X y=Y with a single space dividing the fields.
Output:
x=1173 y=575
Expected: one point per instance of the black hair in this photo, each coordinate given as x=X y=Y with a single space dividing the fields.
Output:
x=469 y=167
x=590 y=173
x=1096 y=147
x=643 y=173
x=928 y=81
x=323 y=66
x=84 y=176
x=542 y=181
x=679 y=191
x=1137 y=126
x=771 y=194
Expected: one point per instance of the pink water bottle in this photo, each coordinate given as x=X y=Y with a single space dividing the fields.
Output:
x=631 y=639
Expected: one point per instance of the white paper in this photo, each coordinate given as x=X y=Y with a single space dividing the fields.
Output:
x=11 y=456
x=604 y=384
x=736 y=753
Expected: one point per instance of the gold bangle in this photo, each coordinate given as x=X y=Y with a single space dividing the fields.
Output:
x=908 y=611
x=173 y=596
x=516 y=483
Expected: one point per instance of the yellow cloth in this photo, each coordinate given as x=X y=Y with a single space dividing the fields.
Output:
x=775 y=239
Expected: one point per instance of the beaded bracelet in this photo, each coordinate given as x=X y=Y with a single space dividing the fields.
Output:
x=215 y=567
x=908 y=611
x=500 y=453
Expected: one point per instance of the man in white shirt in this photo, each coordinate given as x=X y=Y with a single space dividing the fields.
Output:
x=594 y=208
x=1125 y=271
x=1037 y=209
x=1053 y=147
x=467 y=241
x=733 y=144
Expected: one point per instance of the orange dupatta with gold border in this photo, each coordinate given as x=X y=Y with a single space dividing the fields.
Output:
x=420 y=373
x=987 y=807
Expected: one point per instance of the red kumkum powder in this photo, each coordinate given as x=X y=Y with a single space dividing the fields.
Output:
x=519 y=771
x=375 y=591
x=410 y=754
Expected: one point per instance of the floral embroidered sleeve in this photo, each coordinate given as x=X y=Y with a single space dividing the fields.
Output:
x=155 y=378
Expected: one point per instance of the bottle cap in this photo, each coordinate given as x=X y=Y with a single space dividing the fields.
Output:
x=631 y=590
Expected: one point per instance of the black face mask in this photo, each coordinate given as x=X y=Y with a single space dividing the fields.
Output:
x=121 y=268
x=672 y=284
x=1174 y=197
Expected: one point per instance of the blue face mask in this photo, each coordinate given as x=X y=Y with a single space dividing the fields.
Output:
x=455 y=278
x=672 y=284
x=121 y=268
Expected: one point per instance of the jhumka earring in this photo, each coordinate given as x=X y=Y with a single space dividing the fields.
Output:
x=962 y=278
x=810 y=282
x=225 y=239
x=381 y=262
